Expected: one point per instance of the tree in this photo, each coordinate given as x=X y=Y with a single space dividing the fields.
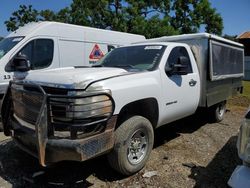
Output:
x=27 y=14
x=183 y=18
x=64 y=15
x=105 y=14
x=152 y=18
x=189 y=15
x=206 y=15
x=24 y=15
x=47 y=15
x=1 y=38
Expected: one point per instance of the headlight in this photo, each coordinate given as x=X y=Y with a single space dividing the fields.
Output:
x=81 y=109
x=243 y=143
x=97 y=106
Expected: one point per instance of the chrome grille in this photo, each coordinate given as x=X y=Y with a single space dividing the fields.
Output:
x=27 y=102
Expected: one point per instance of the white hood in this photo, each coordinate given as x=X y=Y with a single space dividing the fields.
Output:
x=72 y=78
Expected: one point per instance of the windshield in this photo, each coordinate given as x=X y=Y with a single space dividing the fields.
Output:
x=143 y=57
x=7 y=44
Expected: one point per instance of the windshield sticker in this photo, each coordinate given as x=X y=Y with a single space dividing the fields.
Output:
x=17 y=39
x=152 y=47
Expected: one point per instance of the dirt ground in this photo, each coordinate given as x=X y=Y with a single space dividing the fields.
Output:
x=188 y=153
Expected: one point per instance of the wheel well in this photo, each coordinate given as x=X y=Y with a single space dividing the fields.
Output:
x=147 y=108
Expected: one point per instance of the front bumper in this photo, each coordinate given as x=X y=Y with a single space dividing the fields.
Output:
x=240 y=177
x=55 y=150
x=36 y=139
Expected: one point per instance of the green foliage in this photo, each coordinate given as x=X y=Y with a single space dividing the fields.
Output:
x=206 y=15
x=184 y=18
x=191 y=14
x=24 y=15
x=152 y=18
x=246 y=89
x=48 y=15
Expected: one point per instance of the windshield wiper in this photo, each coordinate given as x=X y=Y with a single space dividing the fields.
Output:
x=118 y=66
x=97 y=66
x=124 y=66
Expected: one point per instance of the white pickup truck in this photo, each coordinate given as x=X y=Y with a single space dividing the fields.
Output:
x=113 y=107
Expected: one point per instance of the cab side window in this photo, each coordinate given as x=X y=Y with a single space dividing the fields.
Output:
x=175 y=55
x=39 y=52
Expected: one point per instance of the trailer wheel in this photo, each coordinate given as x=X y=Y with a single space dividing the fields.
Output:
x=133 y=144
x=217 y=112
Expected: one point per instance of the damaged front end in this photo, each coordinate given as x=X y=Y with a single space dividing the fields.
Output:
x=56 y=124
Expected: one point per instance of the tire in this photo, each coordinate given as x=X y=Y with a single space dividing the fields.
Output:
x=217 y=112
x=134 y=140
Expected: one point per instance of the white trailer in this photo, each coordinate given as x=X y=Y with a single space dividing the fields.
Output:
x=50 y=45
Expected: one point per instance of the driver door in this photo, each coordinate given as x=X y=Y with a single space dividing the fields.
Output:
x=180 y=93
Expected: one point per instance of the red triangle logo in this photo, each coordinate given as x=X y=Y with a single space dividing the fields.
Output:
x=96 y=53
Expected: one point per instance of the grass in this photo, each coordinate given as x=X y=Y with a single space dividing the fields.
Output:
x=246 y=89
x=242 y=100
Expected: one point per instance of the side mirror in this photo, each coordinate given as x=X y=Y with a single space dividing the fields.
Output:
x=182 y=66
x=21 y=63
x=179 y=68
x=169 y=70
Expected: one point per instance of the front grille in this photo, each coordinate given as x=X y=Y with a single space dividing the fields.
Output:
x=79 y=116
x=68 y=116
x=27 y=102
x=55 y=91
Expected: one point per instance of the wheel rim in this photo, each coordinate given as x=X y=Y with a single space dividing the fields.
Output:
x=138 y=146
x=221 y=110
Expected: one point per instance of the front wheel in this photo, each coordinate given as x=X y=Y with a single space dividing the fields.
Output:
x=133 y=144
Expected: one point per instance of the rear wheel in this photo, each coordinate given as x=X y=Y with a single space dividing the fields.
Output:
x=133 y=144
x=217 y=112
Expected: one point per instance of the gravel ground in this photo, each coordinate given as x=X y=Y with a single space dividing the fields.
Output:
x=188 y=153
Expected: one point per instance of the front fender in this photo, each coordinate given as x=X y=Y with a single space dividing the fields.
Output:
x=130 y=88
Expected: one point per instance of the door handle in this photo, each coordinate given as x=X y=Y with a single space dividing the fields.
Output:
x=192 y=82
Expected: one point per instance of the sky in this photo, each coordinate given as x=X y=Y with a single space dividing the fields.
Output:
x=235 y=14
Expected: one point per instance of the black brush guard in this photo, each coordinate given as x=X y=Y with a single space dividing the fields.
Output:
x=34 y=136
